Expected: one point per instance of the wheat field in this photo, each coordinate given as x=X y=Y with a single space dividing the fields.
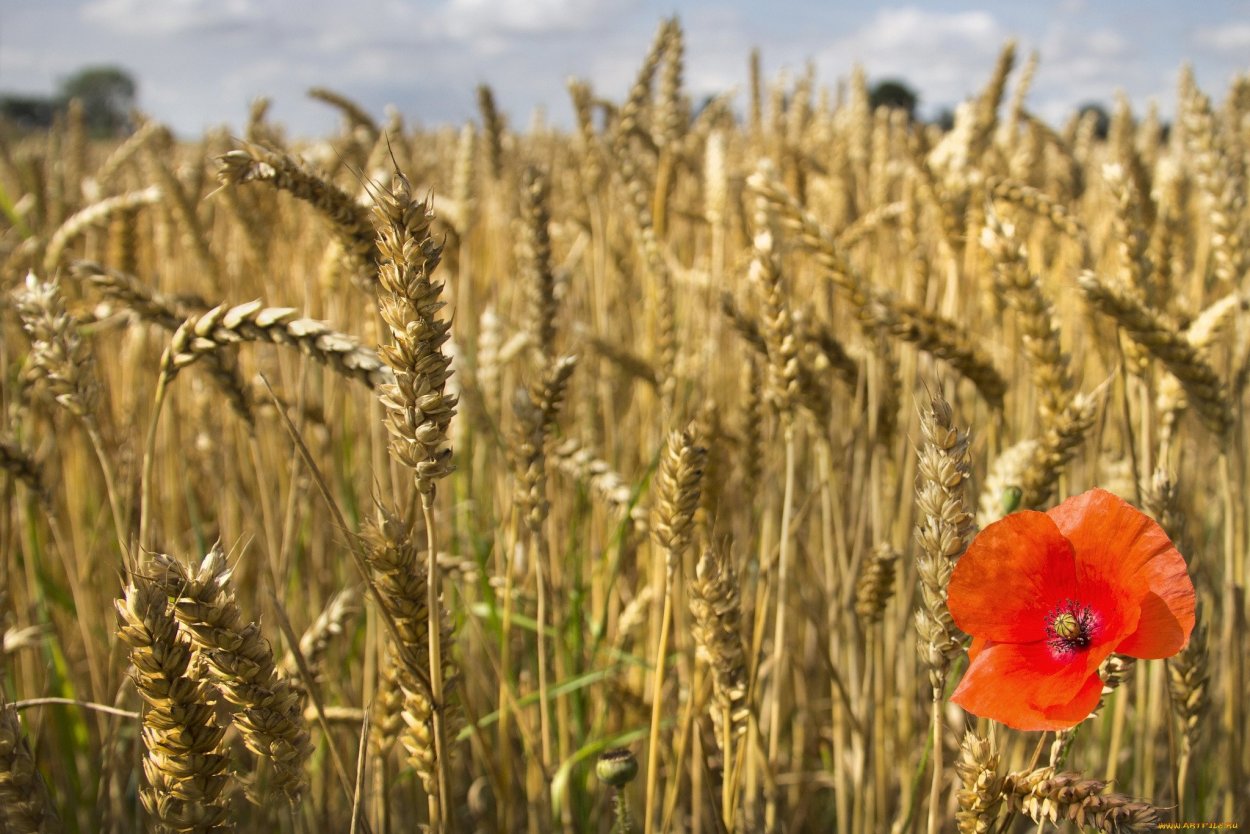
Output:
x=608 y=479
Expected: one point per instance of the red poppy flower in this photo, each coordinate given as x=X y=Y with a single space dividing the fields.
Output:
x=1047 y=597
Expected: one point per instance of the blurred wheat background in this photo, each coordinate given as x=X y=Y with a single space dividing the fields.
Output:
x=405 y=477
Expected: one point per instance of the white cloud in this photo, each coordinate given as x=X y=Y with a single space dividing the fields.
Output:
x=171 y=17
x=468 y=18
x=945 y=55
x=1234 y=37
x=894 y=31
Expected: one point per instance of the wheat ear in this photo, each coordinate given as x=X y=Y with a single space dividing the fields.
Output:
x=980 y=791
x=267 y=708
x=21 y=465
x=1148 y=328
x=184 y=763
x=945 y=526
x=716 y=608
x=942 y=337
x=94 y=215
x=354 y=114
x=418 y=407
x=254 y=322
x=25 y=807
x=677 y=490
x=350 y=220
x=1047 y=796
x=405 y=689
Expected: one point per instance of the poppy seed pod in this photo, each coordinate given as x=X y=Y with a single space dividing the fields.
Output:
x=617 y=767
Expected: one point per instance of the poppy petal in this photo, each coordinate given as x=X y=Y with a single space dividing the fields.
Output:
x=1162 y=630
x=1027 y=687
x=1011 y=576
x=1079 y=708
x=1121 y=548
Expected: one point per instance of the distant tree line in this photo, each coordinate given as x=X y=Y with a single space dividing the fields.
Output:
x=107 y=94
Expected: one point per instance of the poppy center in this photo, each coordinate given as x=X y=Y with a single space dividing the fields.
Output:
x=1070 y=627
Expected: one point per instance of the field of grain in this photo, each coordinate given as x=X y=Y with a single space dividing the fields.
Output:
x=608 y=479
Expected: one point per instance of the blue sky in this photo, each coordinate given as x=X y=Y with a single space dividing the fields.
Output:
x=200 y=62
